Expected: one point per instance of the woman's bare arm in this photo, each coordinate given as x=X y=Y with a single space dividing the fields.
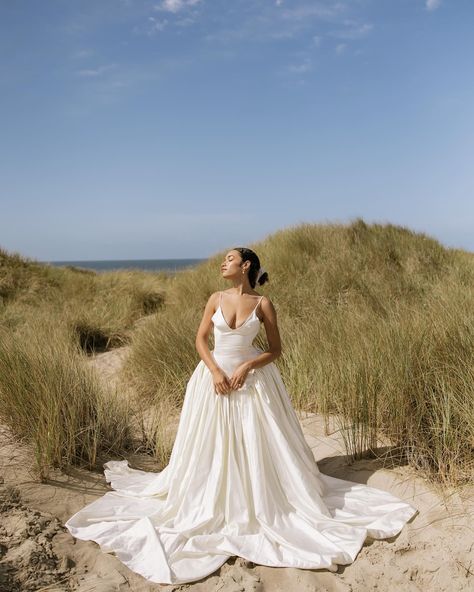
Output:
x=270 y=322
x=203 y=332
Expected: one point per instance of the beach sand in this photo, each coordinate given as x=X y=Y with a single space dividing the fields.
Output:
x=435 y=551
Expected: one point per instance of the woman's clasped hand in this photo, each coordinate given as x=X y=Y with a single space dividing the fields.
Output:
x=224 y=385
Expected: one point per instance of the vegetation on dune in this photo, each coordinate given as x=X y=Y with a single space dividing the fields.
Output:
x=98 y=310
x=51 y=319
x=52 y=401
x=375 y=321
x=376 y=328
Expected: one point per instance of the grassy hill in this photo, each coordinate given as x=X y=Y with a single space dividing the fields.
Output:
x=51 y=320
x=376 y=325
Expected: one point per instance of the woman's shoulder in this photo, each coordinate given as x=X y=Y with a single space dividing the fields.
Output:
x=266 y=301
x=265 y=304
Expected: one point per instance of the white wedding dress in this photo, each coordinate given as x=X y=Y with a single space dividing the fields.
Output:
x=241 y=481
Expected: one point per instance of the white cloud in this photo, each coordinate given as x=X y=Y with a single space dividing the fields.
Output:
x=432 y=4
x=340 y=48
x=175 y=6
x=182 y=13
x=171 y=5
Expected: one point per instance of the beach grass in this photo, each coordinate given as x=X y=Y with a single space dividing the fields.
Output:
x=52 y=320
x=375 y=320
x=51 y=400
x=376 y=328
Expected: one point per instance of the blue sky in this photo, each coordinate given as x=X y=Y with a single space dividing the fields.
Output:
x=177 y=128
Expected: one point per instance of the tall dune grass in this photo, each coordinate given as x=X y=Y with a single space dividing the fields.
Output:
x=49 y=318
x=376 y=328
x=55 y=403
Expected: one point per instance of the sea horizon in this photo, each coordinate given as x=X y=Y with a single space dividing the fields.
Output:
x=121 y=264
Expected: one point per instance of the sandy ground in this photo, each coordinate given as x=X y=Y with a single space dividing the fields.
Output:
x=434 y=552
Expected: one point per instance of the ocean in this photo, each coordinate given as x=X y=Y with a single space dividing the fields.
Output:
x=143 y=264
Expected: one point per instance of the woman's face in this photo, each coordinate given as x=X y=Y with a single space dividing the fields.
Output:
x=230 y=267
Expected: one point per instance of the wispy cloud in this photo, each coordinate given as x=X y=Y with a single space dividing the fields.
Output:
x=352 y=30
x=300 y=26
x=267 y=22
x=156 y=25
x=175 y=6
x=301 y=68
x=258 y=22
x=181 y=13
x=432 y=4
x=114 y=83
x=333 y=24
x=95 y=72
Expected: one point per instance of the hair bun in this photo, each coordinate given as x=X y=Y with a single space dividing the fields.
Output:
x=262 y=276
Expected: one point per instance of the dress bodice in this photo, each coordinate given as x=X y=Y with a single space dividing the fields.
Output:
x=239 y=338
x=233 y=346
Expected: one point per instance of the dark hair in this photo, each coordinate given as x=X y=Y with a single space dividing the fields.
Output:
x=249 y=255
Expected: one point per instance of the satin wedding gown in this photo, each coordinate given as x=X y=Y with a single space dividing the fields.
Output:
x=241 y=481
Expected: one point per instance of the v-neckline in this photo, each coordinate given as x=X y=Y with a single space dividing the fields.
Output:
x=240 y=326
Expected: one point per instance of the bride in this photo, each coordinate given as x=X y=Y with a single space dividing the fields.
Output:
x=241 y=479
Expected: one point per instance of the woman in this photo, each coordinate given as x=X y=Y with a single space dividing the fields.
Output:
x=241 y=479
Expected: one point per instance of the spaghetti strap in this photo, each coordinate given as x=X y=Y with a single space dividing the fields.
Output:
x=256 y=308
